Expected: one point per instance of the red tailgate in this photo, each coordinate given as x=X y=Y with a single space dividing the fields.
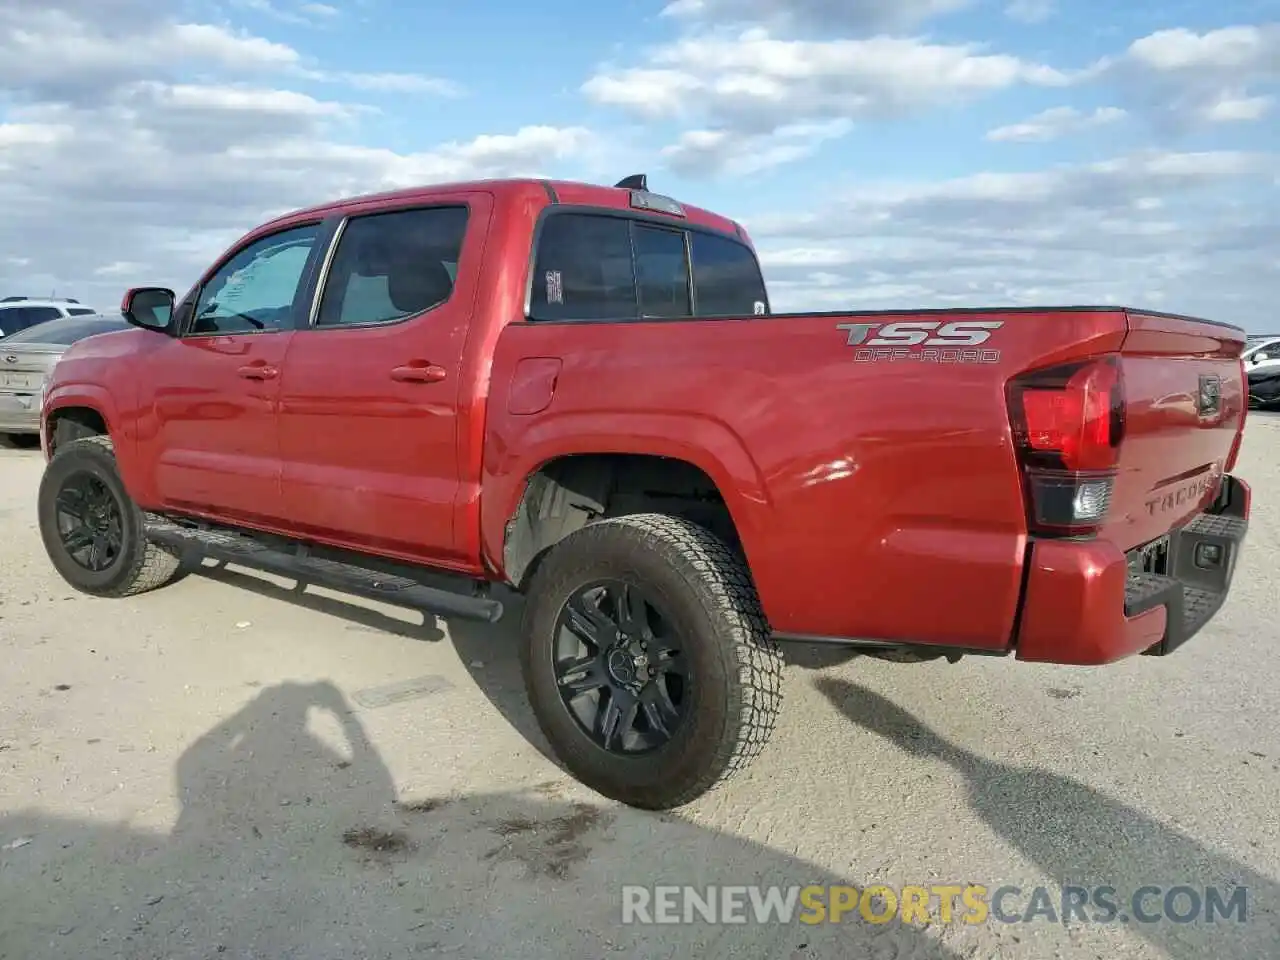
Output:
x=1185 y=403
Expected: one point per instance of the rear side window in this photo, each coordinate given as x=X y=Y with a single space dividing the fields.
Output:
x=390 y=266
x=66 y=331
x=19 y=318
x=596 y=267
x=81 y=312
x=662 y=272
x=726 y=277
x=583 y=269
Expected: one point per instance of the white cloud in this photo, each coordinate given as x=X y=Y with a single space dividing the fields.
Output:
x=1230 y=107
x=830 y=15
x=741 y=88
x=702 y=152
x=1182 y=78
x=114 y=170
x=303 y=14
x=1231 y=48
x=94 y=57
x=1134 y=229
x=1031 y=11
x=1056 y=122
x=398 y=83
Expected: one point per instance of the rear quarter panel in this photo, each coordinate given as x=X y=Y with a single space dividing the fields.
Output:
x=876 y=499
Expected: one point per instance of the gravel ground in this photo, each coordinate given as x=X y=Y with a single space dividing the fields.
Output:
x=225 y=768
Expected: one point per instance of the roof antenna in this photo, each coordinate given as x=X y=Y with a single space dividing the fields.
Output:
x=637 y=181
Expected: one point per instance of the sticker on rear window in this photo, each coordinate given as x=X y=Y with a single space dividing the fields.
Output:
x=555 y=287
x=759 y=308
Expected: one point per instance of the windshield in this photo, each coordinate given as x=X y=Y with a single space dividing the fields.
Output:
x=66 y=331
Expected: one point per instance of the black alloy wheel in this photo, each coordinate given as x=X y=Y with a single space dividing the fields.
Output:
x=90 y=521
x=93 y=532
x=620 y=672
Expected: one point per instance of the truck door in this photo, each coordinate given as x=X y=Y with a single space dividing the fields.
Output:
x=212 y=389
x=370 y=395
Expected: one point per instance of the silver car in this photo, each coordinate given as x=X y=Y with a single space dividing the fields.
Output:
x=26 y=358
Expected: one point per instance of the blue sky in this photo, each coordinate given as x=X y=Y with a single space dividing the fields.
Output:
x=883 y=154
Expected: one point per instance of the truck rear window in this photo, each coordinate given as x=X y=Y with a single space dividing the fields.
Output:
x=606 y=267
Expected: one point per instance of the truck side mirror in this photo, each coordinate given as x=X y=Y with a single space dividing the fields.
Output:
x=148 y=307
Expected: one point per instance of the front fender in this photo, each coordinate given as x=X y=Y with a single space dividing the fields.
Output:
x=518 y=447
x=88 y=396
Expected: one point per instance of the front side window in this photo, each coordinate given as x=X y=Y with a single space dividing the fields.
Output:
x=726 y=277
x=254 y=291
x=391 y=266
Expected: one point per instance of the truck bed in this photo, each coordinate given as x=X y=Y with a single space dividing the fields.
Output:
x=876 y=489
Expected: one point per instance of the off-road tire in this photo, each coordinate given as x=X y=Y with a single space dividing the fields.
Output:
x=708 y=595
x=141 y=566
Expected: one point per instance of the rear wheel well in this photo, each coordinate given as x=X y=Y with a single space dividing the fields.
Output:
x=74 y=423
x=568 y=493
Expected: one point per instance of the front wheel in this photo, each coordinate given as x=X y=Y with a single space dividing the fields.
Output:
x=92 y=530
x=648 y=661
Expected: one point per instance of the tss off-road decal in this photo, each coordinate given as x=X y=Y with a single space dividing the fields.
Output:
x=929 y=341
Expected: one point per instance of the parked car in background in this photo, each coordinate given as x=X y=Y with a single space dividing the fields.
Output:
x=28 y=356
x=1261 y=358
x=19 y=313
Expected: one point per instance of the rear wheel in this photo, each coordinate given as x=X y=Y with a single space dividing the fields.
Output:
x=92 y=531
x=648 y=661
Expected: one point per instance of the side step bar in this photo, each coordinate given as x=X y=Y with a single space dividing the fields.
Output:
x=299 y=565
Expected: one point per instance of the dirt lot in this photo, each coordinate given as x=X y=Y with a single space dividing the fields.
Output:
x=226 y=768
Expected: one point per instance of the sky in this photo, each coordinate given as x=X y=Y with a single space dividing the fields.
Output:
x=881 y=153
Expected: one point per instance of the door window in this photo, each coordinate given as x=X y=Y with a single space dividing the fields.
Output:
x=254 y=291
x=391 y=266
x=584 y=269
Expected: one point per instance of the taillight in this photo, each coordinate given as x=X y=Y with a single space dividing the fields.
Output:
x=1068 y=423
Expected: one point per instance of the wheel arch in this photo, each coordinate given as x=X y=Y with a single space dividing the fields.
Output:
x=566 y=492
x=72 y=421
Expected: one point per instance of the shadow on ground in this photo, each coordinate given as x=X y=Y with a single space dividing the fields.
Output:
x=1078 y=836
x=291 y=843
x=488 y=651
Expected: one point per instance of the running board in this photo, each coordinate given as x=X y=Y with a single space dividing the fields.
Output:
x=298 y=564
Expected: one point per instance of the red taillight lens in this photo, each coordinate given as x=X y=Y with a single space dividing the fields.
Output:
x=1074 y=415
x=1068 y=423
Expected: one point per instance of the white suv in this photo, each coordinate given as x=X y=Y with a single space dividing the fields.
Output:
x=18 y=313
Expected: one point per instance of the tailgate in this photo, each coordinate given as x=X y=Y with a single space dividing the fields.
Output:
x=1185 y=402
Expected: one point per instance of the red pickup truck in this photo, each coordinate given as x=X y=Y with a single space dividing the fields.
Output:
x=580 y=392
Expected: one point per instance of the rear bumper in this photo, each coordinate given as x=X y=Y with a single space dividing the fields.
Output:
x=19 y=413
x=1088 y=603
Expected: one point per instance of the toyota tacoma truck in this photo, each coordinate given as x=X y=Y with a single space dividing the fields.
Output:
x=579 y=396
